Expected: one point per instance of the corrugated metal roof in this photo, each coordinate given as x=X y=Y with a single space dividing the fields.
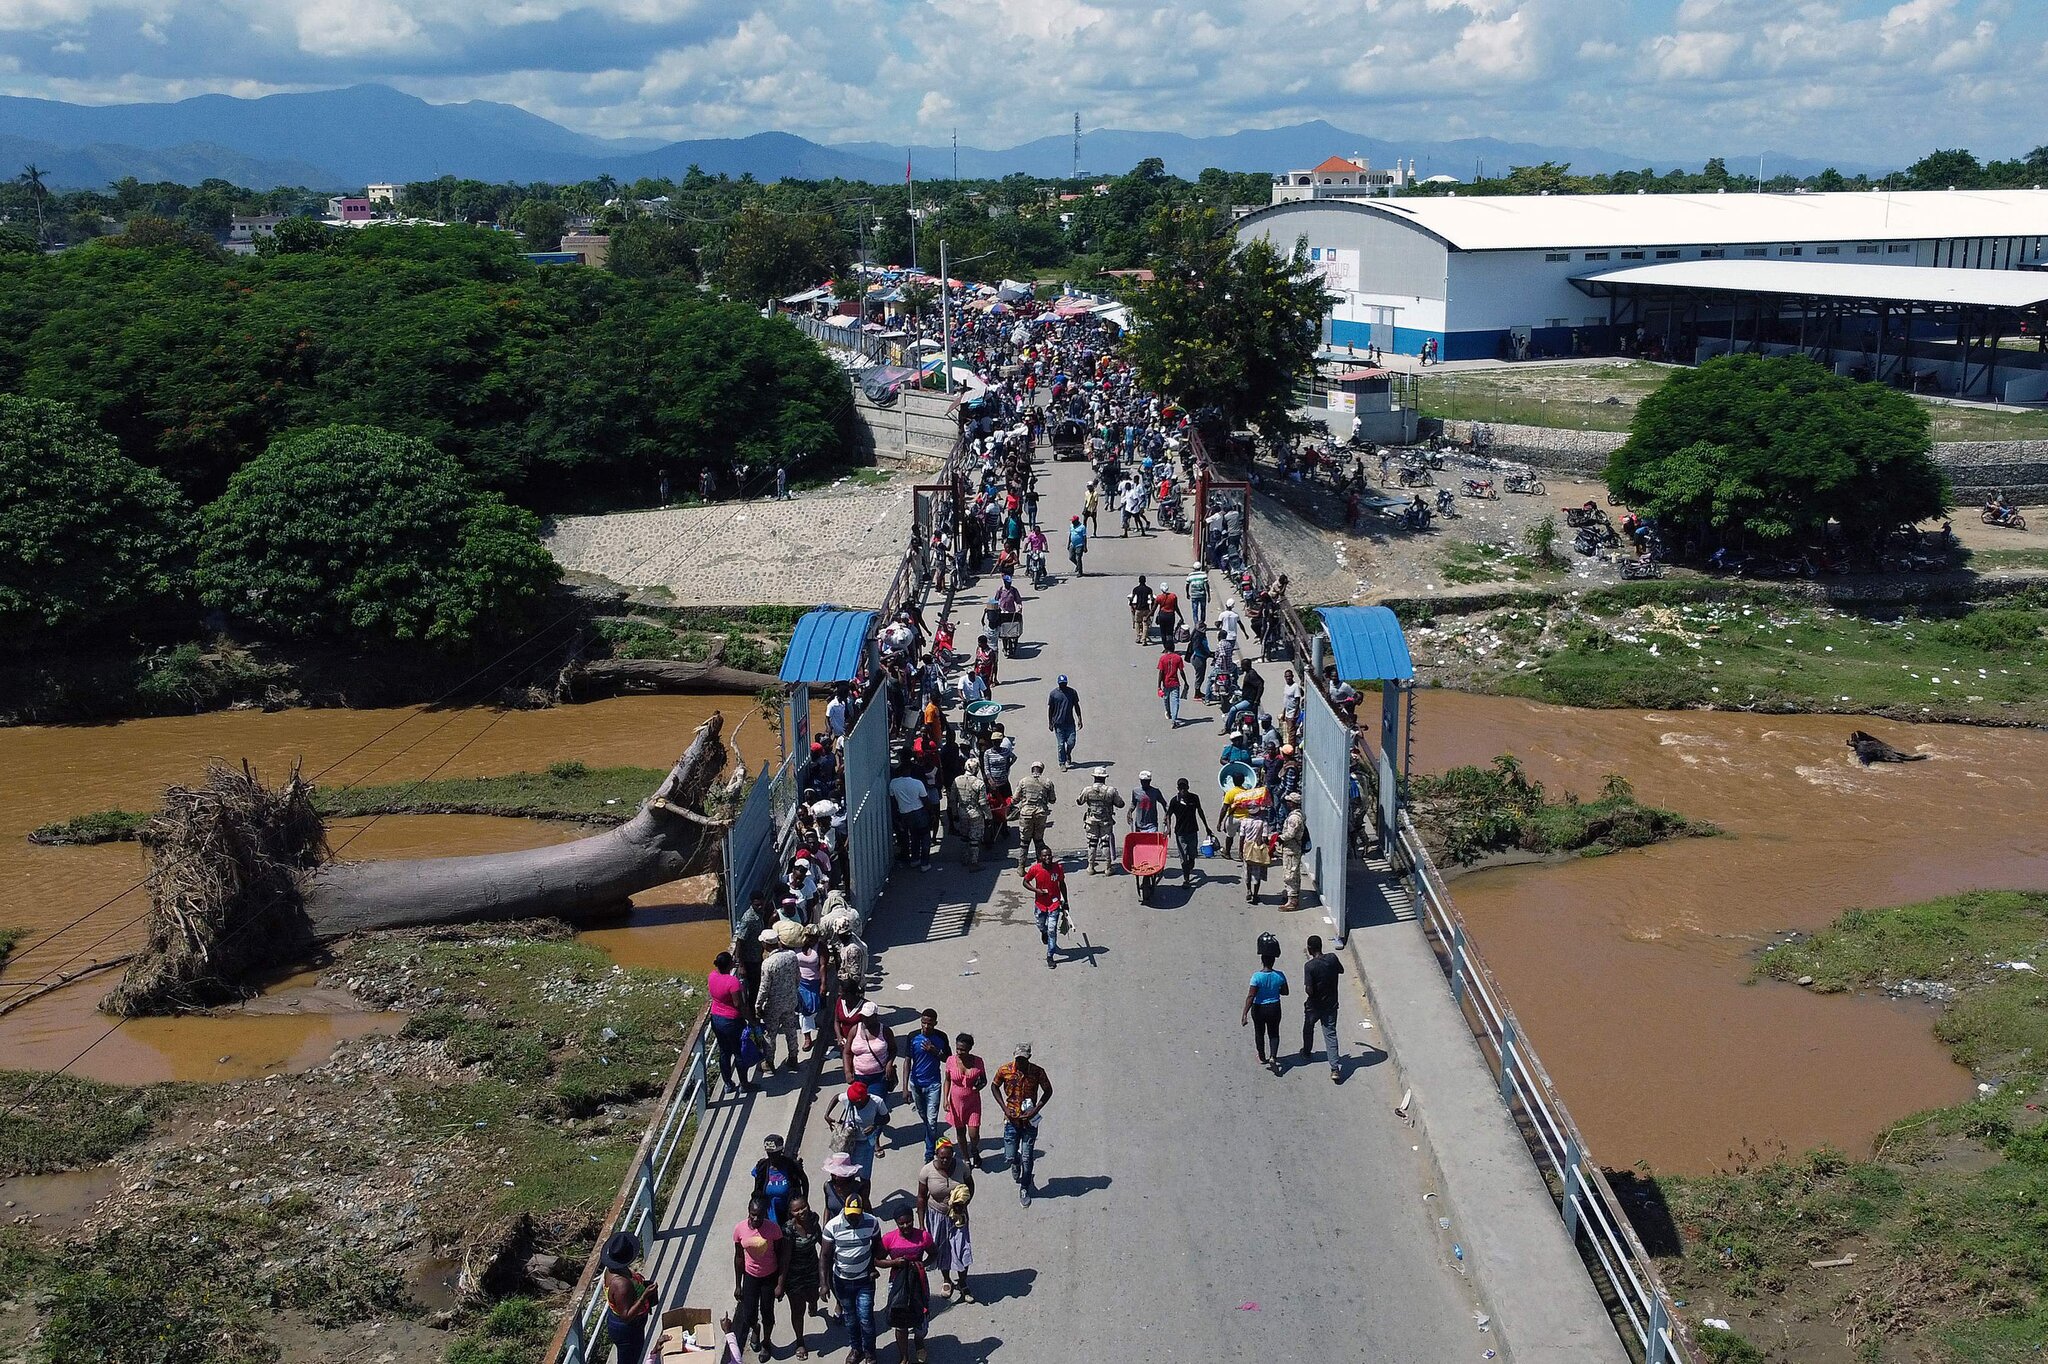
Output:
x=827 y=646
x=1367 y=644
x=1839 y=280
x=1481 y=222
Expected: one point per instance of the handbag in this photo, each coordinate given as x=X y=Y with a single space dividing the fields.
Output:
x=1258 y=852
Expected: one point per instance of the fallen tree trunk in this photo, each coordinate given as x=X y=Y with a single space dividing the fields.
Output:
x=669 y=838
x=1871 y=749
x=586 y=681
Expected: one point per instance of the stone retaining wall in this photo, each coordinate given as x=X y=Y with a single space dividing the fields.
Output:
x=2019 y=467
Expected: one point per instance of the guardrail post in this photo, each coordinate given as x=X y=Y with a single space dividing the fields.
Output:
x=1507 y=1061
x=1660 y=1323
x=1572 y=1187
x=700 y=1076
x=1458 y=963
x=574 y=1349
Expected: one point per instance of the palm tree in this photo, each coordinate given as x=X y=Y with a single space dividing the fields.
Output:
x=32 y=177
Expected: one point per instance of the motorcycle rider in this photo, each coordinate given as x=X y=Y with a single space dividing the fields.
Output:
x=970 y=798
x=1034 y=556
x=1035 y=798
x=1099 y=802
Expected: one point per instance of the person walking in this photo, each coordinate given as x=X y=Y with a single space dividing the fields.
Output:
x=1197 y=654
x=629 y=1298
x=779 y=1177
x=970 y=798
x=1077 y=545
x=781 y=483
x=1262 y=1003
x=1033 y=804
x=777 y=1005
x=1091 y=507
x=1141 y=611
x=1148 y=806
x=1293 y=843
x=1184 y=811
x=1198 y=597
x=803 y=1233
x=846 y=1257
x=913 y=840
x=1319 y=1004
x=869 y=1053
x=1023 y=1090
x=1228 y=623
x=842 y=1181
x=1255 y=847
x=759 y=1257
x=966 y=1077
x=810 y=987
x=1048 y=882
x=942 y=1212
x=1063 y=718
x=924 y=1060
x=905 y=1252
x=1099 y=802
x=1166 y=616
x=859 y=1116
x=728 y=995
x=1173 y=681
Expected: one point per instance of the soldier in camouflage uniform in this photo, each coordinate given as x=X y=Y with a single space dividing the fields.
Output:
x=970 y=796
x=1100 y=801
x=1293 y=842
x=1035 y=797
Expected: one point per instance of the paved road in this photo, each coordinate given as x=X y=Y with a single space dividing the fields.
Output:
x=1192 y=1205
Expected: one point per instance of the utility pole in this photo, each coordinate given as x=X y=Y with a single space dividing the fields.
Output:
x=910 y=179
x=946 y=317
x=1077 y=144
x=956 y=154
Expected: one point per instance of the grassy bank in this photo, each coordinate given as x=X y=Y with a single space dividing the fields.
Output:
x=1947 y=1219
x=1676 y=644
x=10 y=938
x=256 y=1214
x=566 y=790
x=1469 y=812
x=1602 y=395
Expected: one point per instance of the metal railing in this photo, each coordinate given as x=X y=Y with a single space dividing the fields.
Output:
x=638 y=1206
x=1593 y=1217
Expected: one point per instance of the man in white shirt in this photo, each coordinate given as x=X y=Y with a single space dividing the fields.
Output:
x=913 y=839
x=1227 y=625
x=835 y=711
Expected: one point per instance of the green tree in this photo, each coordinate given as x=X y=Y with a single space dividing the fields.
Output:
x=645 y=249
x=1233 y=329
x=1945 y=169
x=296 y=236
x=357 y=532
x=542 y=223
x=1774 y=448
x=766 y=255
x=15 y=241
x=87 y=535
x=31 y=179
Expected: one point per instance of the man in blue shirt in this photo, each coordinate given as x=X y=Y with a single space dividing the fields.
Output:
x=924 y=1055
x=1063 y=718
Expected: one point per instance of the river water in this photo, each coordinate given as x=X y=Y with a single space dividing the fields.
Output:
x=1630 y=973
x=81 y=905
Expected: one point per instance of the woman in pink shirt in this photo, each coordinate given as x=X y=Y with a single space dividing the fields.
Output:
x=759 y=1255
x=966 y=1077
x=904 y=1252
x=728 y=995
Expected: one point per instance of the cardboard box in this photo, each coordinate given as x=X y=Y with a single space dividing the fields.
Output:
x=687 y=1332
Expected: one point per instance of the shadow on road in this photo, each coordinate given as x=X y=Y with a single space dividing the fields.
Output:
x=1072 y=1186
x=989 y=1289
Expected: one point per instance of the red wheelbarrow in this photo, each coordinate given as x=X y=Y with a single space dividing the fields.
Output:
x=1144 y=859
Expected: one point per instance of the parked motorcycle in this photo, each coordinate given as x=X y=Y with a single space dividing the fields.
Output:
x=1584 y=516
x=1446 y=505
x=1637 y=569
x=1480 y=487
x=1524 y=483
x=1415 y=476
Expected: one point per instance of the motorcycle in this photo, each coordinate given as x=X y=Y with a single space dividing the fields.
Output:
x=1584 y=516
x=1034 y=561
x=1446 y=505
x=2008 y=517
x=1636 y=569
x=1525 y=483
x=1417 y=518
x=1480 y=487
x=1593 y=539
x=1435 y=458
x=1415 y=476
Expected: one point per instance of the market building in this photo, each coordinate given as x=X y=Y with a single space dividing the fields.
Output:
x=1686 y=276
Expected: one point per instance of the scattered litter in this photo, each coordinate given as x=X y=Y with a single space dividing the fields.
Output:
x=508 y=1184
x=1443 y=1223
x=1458 y=1253
x=904 y=986
x=1487 y=1355
x=1426 y=1197
x=1716 y=1323
x=970 y=973
x=1840 y=1262
x=1365 y=1023
x=1401 y=1108
x=1247 y=1307
x=1482 y=1321
x=2015 y=966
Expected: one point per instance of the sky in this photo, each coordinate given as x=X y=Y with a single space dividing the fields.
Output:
x=1861 y=81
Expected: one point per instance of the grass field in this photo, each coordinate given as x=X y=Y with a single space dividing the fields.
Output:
x=1948 y=1216
x=1601 y=395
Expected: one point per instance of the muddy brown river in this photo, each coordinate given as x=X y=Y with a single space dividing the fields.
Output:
x=1630 y=973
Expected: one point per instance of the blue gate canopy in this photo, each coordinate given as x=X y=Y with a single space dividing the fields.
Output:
x=827 y=646
x=1367 y=644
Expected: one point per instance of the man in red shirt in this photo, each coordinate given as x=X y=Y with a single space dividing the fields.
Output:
x=1048 y=884
x=1173 y=682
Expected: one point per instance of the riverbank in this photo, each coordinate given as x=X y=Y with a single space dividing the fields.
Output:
x=123 y=679
x=393 y=1198
x=567 y=790
x=1669 y=645
x=1932 y=1245
x=1472 y=814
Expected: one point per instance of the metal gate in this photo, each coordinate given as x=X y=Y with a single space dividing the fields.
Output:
x=868 y=851
x=1326 y=801
x=750 y=846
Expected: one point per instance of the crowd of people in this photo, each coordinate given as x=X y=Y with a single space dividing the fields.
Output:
x=956 y=775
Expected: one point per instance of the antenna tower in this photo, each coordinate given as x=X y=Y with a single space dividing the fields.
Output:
x=956 y=153
x=1077 y=144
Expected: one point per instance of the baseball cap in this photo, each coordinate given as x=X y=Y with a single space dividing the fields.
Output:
x=853 y=1207
x=1063 y=679
x=1100 y=773
x=1144 y=776
x=857 y=1092
x=1024 y=1050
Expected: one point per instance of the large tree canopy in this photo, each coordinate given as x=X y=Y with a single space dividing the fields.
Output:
x=358 y=533
x=768 y=255
x=86 y=535
x=1225 y=326
x=1775 y=447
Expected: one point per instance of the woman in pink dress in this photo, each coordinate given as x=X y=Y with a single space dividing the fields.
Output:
x=966 y=1077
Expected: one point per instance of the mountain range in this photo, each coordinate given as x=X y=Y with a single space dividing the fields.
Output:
x=341 y=139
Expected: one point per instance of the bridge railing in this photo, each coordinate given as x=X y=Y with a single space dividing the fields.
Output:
x=638 y=1206
x=1593 y=1216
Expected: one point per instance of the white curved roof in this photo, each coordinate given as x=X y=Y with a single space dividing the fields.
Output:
x=1478 y=222
x=1827 y=279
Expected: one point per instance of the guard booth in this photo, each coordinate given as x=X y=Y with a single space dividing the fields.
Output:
x=831 y=646
x=1357 y=644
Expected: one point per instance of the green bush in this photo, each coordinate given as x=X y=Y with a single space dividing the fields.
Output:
x=170 y=1303
x=87 y=535
x=1725 y=1347
x=1995 y=630
x=571 y=770
x=356 y=532
x=101 y=826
